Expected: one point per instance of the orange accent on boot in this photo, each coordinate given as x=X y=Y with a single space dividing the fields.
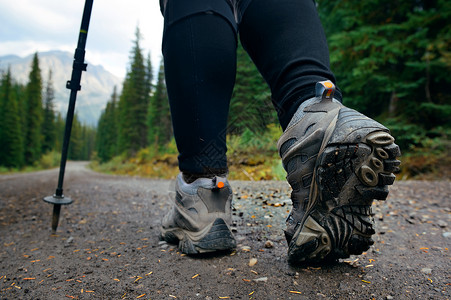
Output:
x=329 y=92
x=220 y=184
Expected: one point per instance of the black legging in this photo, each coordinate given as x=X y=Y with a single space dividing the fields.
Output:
x=285 y=40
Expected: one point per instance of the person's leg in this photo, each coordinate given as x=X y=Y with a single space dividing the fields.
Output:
x=199 y=48
x=286 y=41
x=337 y=160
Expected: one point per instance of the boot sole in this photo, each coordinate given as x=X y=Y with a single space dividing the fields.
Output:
x=348 y=177
x=215 y=237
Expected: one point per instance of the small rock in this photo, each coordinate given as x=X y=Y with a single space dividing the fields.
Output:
x=389 y=297
x=442 y=223
x=269 y=244
x=245 y=248
x=69 y=240
x=252 y=262
x=240 y=238
x=426 y=271
x=353 y=263
x=411 y=221
x=163 y=245
x=424 y=218
x=261 y=279
x=446 y=234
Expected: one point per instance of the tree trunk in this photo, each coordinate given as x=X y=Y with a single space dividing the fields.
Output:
x=392 y=108
x=428 y=80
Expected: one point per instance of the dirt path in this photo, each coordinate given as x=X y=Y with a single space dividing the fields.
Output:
x=107 y=245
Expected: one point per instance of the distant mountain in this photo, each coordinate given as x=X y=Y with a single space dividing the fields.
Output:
x=96 y=83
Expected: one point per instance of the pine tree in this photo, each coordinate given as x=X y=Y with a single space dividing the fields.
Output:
x=149 y=77
x=133 y=104
x=48 y=125
x=20 y=92
x=34 y=114
x=159 y=117
x=59 y=131
x=88 y=135
x=11 y=151
x=76 y=140
x=107 y=141
x=391 y=56
x=82 y=140
x=112 y=123
x=101 y=148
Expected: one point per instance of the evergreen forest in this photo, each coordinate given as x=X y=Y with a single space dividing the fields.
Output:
x=31 y=132
x=392 y=61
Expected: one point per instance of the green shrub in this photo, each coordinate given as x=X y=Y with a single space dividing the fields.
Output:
x=249 y=141
x=49 y=160
x=431 y=115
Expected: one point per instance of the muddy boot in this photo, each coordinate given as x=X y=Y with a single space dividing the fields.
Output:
x=200 y=217
x=337 y=161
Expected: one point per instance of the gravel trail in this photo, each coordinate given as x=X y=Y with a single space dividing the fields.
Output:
x=107 y=245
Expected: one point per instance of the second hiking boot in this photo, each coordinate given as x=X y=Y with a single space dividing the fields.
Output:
x=200 y=217
x=337 y=161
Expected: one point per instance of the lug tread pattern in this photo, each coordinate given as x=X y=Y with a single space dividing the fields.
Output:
x=349 y=177
x=350 y=224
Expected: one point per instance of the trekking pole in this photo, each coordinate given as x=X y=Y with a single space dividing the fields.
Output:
x=73 y=84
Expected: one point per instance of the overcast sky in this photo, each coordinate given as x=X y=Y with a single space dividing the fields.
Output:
x=27 y=26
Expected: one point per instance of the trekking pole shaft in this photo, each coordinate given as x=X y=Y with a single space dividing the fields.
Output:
x=74 y=85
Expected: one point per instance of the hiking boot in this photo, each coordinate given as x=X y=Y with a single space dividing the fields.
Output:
x=337 y=161
x=200 y=217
